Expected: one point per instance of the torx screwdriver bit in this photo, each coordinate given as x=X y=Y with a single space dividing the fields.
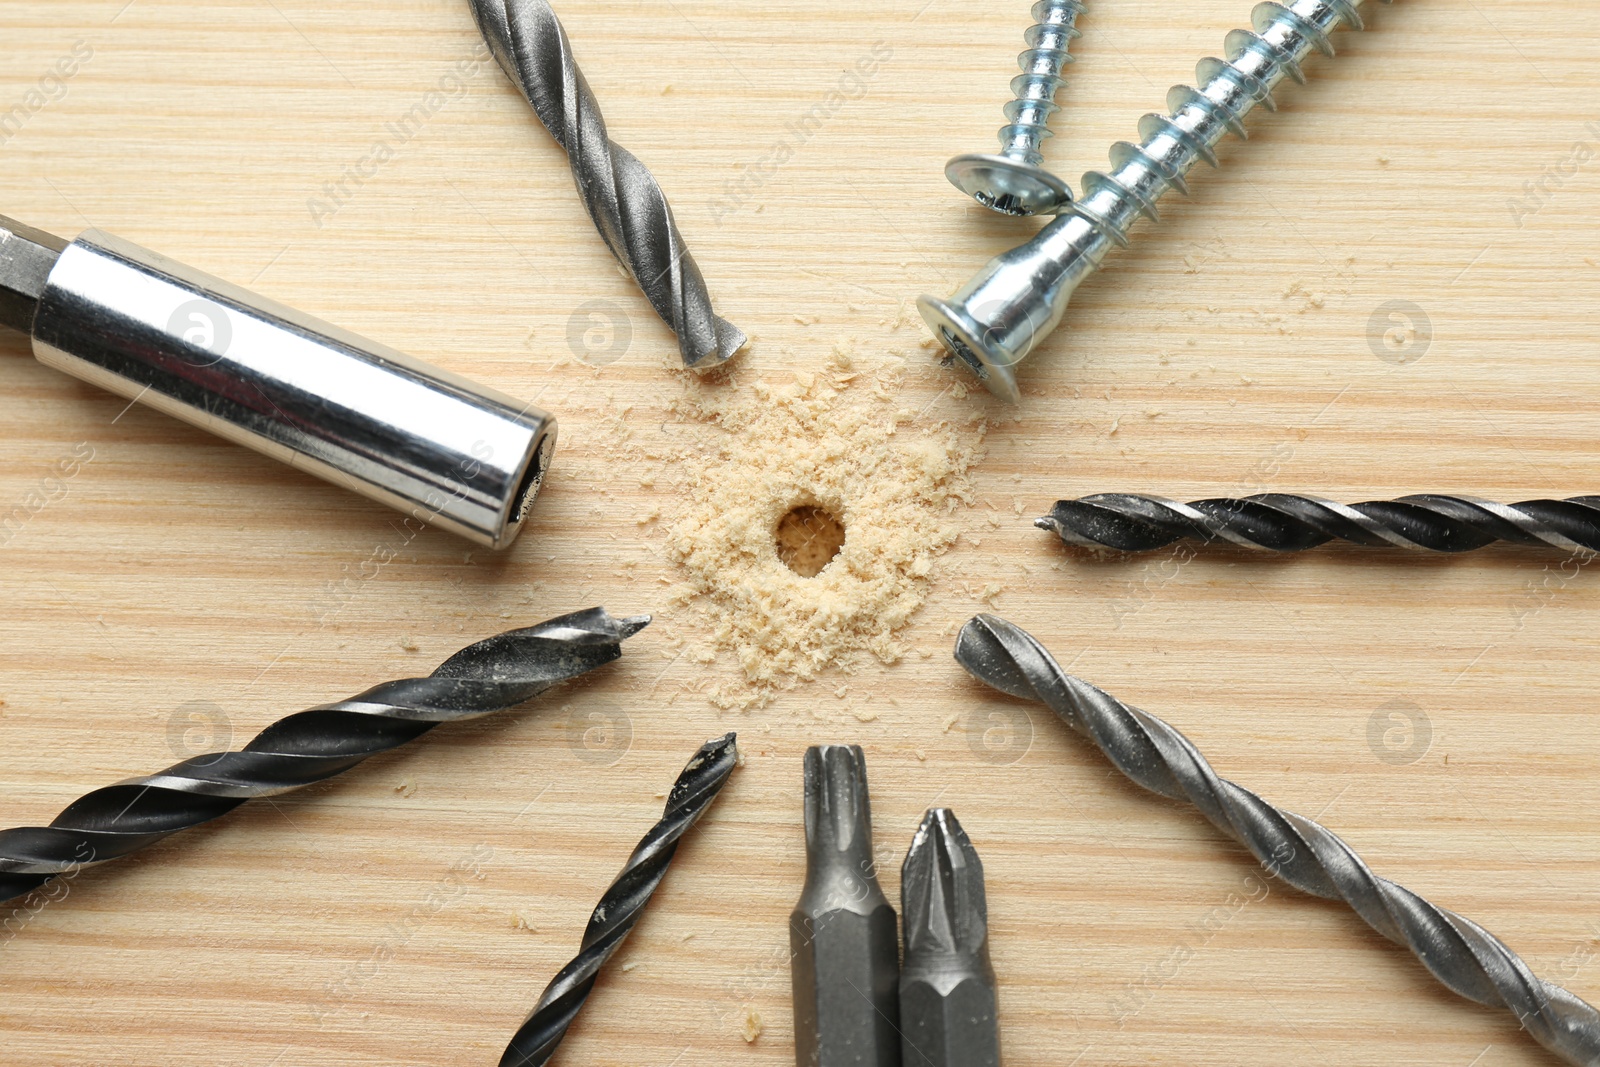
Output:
x=310 y=746
x=622 y=196
x=843 y=941
x=1282 y=522
x=1460 y=953
x=619 y=909
x=948 y=1008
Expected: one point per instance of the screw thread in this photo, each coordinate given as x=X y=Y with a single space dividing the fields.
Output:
x=1172 y=144
x=1035 y=88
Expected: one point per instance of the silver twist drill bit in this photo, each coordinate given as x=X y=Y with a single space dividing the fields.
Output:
x=1457 y=951
x=622 y=196
x=1013 y=303
x=311 y=746
x=844 y=955
x=1282 y=522
x=621 y=905
x=1015 y=181
x=948 y=1008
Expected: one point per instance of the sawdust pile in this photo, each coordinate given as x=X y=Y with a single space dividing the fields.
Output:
x=841 y=441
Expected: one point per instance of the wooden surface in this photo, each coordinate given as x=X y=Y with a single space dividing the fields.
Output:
x=174 y=591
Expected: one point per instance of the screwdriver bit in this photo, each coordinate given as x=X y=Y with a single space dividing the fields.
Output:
x=947 y=989
x=1460 y=953
x=1283 y=522
x=619 y=908
x=311 y=746
x=844 y=945
x=621 y=195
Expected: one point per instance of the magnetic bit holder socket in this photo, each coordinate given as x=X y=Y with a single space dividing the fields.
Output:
x=426 y=442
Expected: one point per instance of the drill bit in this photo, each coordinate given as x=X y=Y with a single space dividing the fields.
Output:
x=622 y=197
x=844 y=953
x=1460 y=953
x=947 y=987
x=1285 y=523
x=310 y=746
x=619 y=909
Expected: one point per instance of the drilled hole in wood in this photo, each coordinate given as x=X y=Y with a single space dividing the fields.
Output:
x=809 y=538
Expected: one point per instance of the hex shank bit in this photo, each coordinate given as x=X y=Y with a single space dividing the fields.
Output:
x=844 y=954
x=310 y=746
x=1283 y=522
x=948 y=1007
x=1460 y=953
x=619 y=908
x=621 y=195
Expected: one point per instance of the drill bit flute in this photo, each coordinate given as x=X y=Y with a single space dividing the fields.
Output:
x=619 y=909
x=1458 y=952
x=622 y=197
x=311 y=746
x=1281 y=522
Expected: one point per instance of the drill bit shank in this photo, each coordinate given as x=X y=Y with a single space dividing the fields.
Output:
x=311 y=746
x=621 y=195
x=1460 y=953
x=619 y=909
x=948 y=1012
x=1282 y=522
x=844 y=953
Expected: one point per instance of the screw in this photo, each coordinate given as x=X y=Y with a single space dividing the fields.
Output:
x=997 y=318
x=1013 y=182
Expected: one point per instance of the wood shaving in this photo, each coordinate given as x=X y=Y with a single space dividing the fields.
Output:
x=841 y=445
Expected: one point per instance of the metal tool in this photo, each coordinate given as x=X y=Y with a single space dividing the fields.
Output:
x=1459 y=952
x=621 y=905
x=997 y=318
x=427 y=442
x=1015 y=182
x=1282 y=522
x=622 y=197
x=311 y=746
x=844 y=952
x=948 y=1009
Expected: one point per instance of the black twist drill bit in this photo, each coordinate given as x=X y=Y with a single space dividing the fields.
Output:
x=310 y=746
x=622 y=197
x=619 y=909
x=844 y=955
x=1282 y=522
x=948 y=1004
x=1460 y=953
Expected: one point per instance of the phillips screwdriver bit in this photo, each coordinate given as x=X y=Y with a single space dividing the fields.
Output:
x=947 y=989
x=311 y=746
x=843 y=941
x=1281 y=522
x=1307 y=855
x=365 y=417
x=619 y=909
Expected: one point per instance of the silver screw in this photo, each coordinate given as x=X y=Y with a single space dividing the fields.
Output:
x=1014 y=182
x=1002 y=314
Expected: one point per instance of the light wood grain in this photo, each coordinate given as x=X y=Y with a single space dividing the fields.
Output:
x=178 y=569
